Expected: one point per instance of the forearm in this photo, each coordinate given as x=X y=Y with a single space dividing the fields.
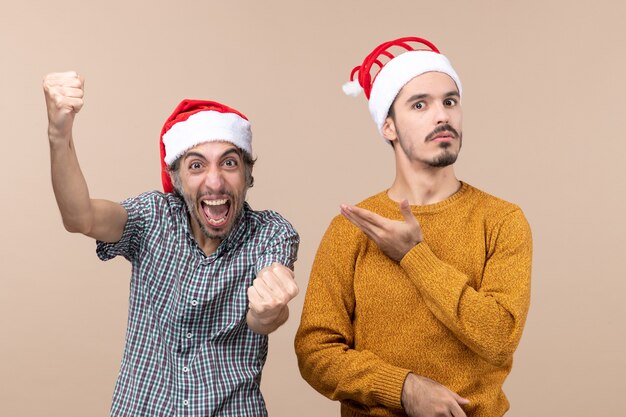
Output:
x=339 y=372
x=100 y=219
x=69 y=185
x=488 y=320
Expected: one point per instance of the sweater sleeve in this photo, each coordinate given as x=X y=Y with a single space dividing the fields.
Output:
x=325 y=339
x=490 y=318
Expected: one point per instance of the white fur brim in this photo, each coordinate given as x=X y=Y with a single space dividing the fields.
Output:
x=206 y=126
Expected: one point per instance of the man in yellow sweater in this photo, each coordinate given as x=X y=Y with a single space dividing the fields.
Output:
x=418 y=295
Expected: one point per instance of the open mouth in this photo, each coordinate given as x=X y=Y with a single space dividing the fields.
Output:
x=216 y=211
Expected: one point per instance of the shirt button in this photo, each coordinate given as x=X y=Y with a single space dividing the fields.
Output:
x=185 y=369
x=189 y=335
x=194 y=302
x=185 y=402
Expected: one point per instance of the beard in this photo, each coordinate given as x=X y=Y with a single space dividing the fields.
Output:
x=447 y=155
x=235 y=210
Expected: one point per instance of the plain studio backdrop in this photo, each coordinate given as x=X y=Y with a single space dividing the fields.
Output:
x=544 y=106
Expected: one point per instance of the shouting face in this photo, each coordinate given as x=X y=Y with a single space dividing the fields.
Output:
x=212 y=180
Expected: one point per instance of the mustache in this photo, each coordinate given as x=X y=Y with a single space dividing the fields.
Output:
x=441 y=129
x=220 y=193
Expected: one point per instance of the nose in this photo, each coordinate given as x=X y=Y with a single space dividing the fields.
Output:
x=442 y=115
x=214 y=180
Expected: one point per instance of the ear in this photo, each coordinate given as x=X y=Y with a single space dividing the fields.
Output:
x=389 y=130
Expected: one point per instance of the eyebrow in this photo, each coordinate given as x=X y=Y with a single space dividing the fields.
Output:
x=199 y=155
x=194 y=154
x=416 y=97
x=231 y=150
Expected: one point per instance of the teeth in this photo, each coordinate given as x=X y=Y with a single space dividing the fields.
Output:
x=217 y=222
x=215 y=202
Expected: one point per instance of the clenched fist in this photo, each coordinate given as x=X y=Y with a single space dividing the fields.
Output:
x=268 y=297
x=64 y=98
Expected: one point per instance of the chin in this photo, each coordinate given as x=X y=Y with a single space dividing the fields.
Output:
x=213 y=234
x=444 y=160
x=222 y=231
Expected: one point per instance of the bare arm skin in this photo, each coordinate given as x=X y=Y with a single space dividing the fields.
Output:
x=99 y=219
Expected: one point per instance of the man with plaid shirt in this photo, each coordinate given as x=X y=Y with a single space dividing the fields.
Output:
x=211 y=278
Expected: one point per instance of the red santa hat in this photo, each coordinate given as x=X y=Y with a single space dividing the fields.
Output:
x=197 y=121
x=391 y=73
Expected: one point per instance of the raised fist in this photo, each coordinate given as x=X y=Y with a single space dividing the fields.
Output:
x=268 y=297
x=64 y=98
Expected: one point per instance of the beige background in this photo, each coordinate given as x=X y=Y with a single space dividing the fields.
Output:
x=544 y=101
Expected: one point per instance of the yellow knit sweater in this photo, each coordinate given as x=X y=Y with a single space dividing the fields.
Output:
x=453 y=309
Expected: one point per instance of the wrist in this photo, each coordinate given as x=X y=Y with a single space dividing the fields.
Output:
x=271 y=318
x=266 y=324
x=407 y=387
x=58 y=138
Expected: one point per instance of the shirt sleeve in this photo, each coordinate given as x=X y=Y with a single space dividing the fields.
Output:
x=325 y=339
x=282 y=247
x=138 y=209
x=489 y=319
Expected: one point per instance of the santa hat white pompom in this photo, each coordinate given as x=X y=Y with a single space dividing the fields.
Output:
x=352 y=88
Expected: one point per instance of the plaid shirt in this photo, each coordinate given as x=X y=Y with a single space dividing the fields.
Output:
x=189 y=351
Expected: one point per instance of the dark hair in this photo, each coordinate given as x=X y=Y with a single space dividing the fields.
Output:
x=392 y=113
x=248 y=164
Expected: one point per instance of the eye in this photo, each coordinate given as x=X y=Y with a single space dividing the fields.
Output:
x=195 y=165
x=231 y=163
x=449 y=102
x=419 y=105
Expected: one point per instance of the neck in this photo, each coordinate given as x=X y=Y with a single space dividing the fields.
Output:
x=207 y=244
x=421 y=184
